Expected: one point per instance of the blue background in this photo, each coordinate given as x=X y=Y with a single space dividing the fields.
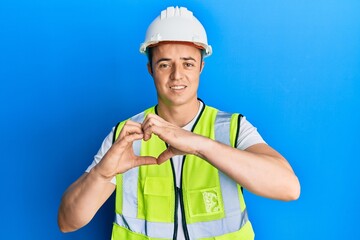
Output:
x=70 y=70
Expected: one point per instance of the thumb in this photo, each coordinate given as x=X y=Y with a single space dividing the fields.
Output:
x=145 y=160
x=166 y=155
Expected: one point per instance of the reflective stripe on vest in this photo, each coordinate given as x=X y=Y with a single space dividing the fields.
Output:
x=129 y=217
x=235 y=217
x=223 y=212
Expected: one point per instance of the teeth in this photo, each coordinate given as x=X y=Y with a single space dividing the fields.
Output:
x=177 y=87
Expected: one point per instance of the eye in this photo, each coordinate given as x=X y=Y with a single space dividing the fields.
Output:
x=164 y=65
x=188 y=64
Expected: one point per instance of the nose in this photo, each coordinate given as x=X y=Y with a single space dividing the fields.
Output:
x=176 y=72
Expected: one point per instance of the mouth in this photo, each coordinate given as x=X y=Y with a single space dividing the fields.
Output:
x=178 y=87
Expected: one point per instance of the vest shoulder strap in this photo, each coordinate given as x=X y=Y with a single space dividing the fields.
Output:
x=235 y=142
x=234 y=126
x=117 y=130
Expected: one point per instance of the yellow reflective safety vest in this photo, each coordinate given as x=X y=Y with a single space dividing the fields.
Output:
x=212 y=204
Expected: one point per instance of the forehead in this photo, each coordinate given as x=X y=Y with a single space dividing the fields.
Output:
x=175 y=50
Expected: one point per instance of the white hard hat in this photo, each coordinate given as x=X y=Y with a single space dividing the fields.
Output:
x=178 y=25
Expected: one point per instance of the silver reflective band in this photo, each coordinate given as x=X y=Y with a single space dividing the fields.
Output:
x=150 y=229
x=218 y=227
x=139 y=118
x=222 y=127
x=235 y=217
x=129 y=218
x=130 y=179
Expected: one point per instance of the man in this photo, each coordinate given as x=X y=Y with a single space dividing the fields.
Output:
x=179 y=167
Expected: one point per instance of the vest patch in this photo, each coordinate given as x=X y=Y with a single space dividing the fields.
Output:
x=211 y=201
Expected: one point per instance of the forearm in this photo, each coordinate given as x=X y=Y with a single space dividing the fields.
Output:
x=259 y=169
x=82 y=200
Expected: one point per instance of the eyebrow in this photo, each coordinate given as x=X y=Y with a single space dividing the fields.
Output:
x=169 y=59
x=163 y=60
x=188 y=59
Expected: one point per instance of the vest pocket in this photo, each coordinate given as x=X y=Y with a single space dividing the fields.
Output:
x=158 y=204
x=206 y=204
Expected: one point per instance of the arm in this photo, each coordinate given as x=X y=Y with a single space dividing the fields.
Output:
x=82 y=200
x=84 y=197
x=259 y=168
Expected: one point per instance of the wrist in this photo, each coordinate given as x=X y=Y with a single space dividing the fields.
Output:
x=98 y=174
x=203 y=146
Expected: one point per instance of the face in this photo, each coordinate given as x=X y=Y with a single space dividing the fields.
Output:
x=176 y=71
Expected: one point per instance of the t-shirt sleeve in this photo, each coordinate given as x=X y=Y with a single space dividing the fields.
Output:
x=248 y=135
x=105 y=146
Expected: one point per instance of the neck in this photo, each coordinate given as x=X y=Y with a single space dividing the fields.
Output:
x=179 y=115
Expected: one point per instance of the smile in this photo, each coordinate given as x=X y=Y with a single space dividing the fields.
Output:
x=178 y=87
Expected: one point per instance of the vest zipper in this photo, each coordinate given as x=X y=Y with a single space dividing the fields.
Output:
x=178 y=191
x=176 y=202
x=186 y=233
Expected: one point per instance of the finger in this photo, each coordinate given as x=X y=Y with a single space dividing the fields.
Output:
x=151 y=120
x=152 y=116
x=124 y=141
x=149 y=127
x=130 y=128
x=145 y=160
x=153 y=124
x=165 y=155
x=148 y=131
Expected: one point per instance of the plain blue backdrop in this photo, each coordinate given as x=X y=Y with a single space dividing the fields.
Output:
x=70 y=70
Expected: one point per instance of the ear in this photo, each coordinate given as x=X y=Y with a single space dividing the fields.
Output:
x=149 y=68
x=202 y=66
